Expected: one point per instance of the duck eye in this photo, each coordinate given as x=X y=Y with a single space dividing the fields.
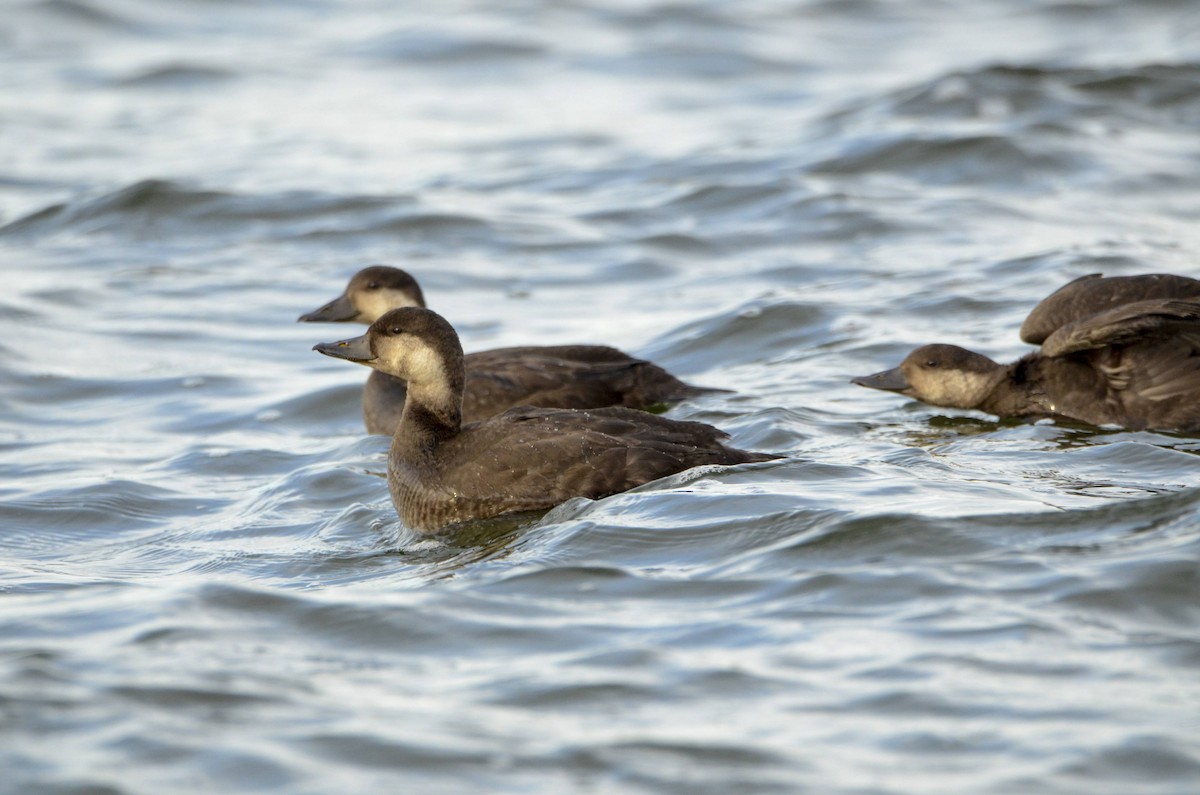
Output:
x=395 y=330
x=930 y=363
x=373 y=286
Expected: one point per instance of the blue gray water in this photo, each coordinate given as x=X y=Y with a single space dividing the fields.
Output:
x=204 y=586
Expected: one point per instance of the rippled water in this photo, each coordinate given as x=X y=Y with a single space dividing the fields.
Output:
x=204 y=585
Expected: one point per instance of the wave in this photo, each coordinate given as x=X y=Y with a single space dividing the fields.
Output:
x=154 y=208
x=439 y=48
x=90 y=14
x=1034 y=96
x=177 y=76
x=954 y=160
x=1039 y=96
x=1008 y=126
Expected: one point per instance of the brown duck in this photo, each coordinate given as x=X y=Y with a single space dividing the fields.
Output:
x=1122 y=351
x=563 y=376
x=442 y=472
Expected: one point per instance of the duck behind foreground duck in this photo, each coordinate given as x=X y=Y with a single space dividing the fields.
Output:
x=1122 y=350
x=442 y=472
x=563 y=376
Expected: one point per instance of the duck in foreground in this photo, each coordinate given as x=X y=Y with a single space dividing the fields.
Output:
x=442 y=472
x=1119 y=351
x=565 y=376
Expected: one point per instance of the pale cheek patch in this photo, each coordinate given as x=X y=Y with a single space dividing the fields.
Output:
x=419 y=365
x=376 y=303
x=955 y=388
x=423 y=362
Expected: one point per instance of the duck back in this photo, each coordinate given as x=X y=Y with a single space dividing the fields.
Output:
x=1153 y=383
x=530 y=459
x=570 y=377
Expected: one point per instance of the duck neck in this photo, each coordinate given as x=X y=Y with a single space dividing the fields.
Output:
x=431 y=416
x=1016 y=391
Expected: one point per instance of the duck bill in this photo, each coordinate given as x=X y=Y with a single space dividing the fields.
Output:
x=890 y=380
x=357 y=350
x=339 y=310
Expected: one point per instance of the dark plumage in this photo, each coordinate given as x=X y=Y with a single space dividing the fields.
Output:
x=441 y=472
x=565 y=376
x=1115 y=351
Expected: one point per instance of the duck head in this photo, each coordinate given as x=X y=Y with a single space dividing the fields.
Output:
x=371 y=293
x=941 y=375
x=412 y=343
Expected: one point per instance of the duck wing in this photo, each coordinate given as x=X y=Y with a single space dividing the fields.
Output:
x=1148 y=354
x=574 y=353
x=1093 y=294
x=576 y=377
x=532 y=458
x=641 y=383
x=1166 y=372
x=1140 y=321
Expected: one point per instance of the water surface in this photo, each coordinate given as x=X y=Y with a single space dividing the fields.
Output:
x=204 y=585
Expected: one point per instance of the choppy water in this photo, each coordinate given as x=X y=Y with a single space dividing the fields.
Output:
x=204 y=587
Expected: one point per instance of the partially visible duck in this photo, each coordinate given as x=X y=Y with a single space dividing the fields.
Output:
x=1122 y=350
x=442 y=472
x=562 y=376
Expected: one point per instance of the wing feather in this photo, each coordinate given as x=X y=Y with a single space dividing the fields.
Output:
x=1093 y=294
x=1153 y=319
